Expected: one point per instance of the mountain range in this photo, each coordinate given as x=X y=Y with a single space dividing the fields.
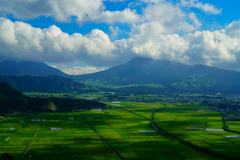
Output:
x=160 y=74
x=143 y=73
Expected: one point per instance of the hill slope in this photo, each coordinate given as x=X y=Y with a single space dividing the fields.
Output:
x=28 y=68
x=42 y=83
x=9 y=97
x=164 y=74
x=13 y=100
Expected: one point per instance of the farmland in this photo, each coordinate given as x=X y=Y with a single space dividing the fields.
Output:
x=124 y=131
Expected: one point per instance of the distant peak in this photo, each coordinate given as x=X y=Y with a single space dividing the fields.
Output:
x=140 y=59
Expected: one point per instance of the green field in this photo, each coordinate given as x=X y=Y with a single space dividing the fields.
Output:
x=124 y=131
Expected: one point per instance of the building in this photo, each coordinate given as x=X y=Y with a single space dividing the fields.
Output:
x=56 y=129
x=11 y=129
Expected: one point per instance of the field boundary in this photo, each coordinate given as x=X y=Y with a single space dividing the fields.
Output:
x=119 y=157
x=32 y=139
x=135 y=113
x=196 y=147
x=191 y=119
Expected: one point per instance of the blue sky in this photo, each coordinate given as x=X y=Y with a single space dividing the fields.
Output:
x=85 y=36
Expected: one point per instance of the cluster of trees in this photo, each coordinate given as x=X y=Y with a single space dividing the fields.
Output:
x=6 y=156
x=13 y=100
x=61 y=104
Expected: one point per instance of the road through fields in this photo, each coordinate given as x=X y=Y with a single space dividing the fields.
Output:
x=33 y=138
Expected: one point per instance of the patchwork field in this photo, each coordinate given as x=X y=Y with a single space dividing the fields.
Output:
x=199 y=125
x=124 y=131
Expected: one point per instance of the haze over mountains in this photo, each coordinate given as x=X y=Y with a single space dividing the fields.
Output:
x=143 y=72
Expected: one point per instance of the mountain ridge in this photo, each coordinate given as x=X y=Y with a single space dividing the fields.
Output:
x=166 y=74
x=49 y=83
x=159 y=74
x=28 y=68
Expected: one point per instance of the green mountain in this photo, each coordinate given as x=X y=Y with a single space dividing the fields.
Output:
x=49 y=83
x=10 y=99
x=13 y=100
x=28 y=68
x=164 y=75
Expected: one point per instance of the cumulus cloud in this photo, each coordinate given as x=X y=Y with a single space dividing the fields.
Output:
x=81 y=70
x=165 y=18
x=208 y=8
x=194 y=19
x=164 y=31
x=63 y=10
x=233 y=29
x=218 y=48
x=20 y=41
x=211 y=48
x=125 y=16
x=77 y=70
x=115 y=31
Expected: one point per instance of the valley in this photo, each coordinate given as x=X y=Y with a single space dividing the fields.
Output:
x=152 y=116
x=119 y=80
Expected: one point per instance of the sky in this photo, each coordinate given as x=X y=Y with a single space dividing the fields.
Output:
x=86 y=36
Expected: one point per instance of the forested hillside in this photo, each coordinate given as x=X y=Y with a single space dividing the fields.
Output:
x=29 y=83
x=13 y=100
x=164 y=75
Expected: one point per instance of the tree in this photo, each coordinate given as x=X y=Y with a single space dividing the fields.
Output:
x=6 y=156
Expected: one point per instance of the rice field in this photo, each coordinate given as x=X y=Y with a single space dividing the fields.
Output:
x=124 y=131
x=199 y=125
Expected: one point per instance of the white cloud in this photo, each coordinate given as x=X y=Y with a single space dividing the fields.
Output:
x=155 y=34
x=220 y=48
x=76 y=70
x=115 y=1
x=63 y=10
x=208 y=8
x=165 y=18
x=20 y=41
x=125 y=16
x=81 y=70
x=54 y=66
x=115 y=31
x=233 y=29
x=195 y=20
x=153 y=1
x=211 y=48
